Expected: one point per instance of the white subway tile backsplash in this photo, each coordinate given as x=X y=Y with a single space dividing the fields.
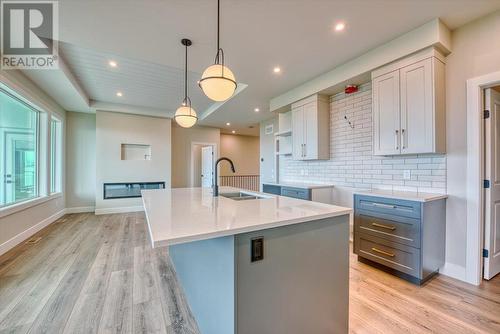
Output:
x=351 y=161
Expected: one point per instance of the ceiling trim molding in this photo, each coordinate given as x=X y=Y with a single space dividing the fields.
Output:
x=433 y=33
x=213 y=108
x=130 y=109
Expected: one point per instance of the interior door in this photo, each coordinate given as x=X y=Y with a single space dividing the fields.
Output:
x=492 y=194
x=298 y=133
x=417 y=108
x=207 y=165
x=386 y=114
x=311 y=130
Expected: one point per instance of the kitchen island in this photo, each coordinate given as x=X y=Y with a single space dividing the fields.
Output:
x=255 y=263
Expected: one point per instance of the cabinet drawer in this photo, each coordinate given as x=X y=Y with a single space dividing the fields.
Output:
x=405 y=230
x=393 y=255
x=296 y=193
x=271 y=189
x=388 y=206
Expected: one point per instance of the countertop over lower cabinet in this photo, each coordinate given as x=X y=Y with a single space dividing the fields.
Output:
x=315 y=192
x=403 y=195
x=304 y=185
x=190 y=214
x=402 y=233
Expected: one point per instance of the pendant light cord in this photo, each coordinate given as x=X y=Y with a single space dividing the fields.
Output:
x=218 y=26
x=186 y=75
x=219 y=57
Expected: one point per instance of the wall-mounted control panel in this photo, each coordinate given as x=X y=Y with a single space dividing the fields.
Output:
x=257 y=249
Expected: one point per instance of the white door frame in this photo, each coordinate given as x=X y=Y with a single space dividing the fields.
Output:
x=475 y=175
x=191 y=167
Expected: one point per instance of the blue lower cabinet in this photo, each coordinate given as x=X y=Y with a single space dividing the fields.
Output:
x=405 y=238
x=299 y=193
x=271 y=189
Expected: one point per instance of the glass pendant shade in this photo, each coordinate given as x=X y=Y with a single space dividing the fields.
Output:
x=218 y=82
x=186 y=116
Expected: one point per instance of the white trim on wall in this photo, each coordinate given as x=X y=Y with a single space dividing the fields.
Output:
x=474 y=181
x=80 y=209
x=14 y=241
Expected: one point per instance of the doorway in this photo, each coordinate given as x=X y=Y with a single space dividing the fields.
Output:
x=202 y=164
x=491 y=195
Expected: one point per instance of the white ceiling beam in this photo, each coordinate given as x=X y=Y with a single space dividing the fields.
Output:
x=433 y=33
x=130 y=109
x=63 y=66
x=214 y=106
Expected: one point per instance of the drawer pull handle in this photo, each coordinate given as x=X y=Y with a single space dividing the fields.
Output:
x=382 y=252
x=387 y=206
x=392 y=228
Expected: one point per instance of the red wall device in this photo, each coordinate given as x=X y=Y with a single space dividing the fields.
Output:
x=349 y=89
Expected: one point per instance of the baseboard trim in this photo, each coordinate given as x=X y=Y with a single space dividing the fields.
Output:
x=16 y=240
x=123 y=209
x=80 y=209
x=454 y=271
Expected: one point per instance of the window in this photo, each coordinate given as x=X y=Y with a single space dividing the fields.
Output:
x=19 y=143
x=55 y=155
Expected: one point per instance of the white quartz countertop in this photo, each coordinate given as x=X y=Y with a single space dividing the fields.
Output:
x=404 y=195
x=303 y=185
x=188 y=214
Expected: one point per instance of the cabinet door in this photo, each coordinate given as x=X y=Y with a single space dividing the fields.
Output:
x=386 y=114
x=311 y=131
x=298 y=133
x=417 y=108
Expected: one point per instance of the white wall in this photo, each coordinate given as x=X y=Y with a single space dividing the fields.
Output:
x=114 y=129
x=243 y=151
x=80 y=161
x=267 y=163
x=182 y=140
x=476 y=51
x=20 y=225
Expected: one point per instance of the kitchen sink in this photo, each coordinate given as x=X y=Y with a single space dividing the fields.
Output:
x=241 y=196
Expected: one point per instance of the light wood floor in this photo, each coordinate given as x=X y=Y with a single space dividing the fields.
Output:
x=98 y=274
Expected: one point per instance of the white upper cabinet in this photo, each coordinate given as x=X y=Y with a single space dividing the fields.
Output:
x=298 y=134
x=311 y=128
x=386 y=113
x=408 y=106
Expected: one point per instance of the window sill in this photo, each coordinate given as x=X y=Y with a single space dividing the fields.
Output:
x=11 y=209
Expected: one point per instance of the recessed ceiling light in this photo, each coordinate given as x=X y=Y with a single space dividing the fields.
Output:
x=233 y=131
x=256 y=110
x=228 y=124
x=277 y=69
x=340 y=26
x=119 y=94
x=112 y=63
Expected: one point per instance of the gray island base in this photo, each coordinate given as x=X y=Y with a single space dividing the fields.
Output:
x=251 y=262
x=300 y=286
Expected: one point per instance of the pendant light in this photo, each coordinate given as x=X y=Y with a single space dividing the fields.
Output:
x=218 y=82
x=186 y=116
